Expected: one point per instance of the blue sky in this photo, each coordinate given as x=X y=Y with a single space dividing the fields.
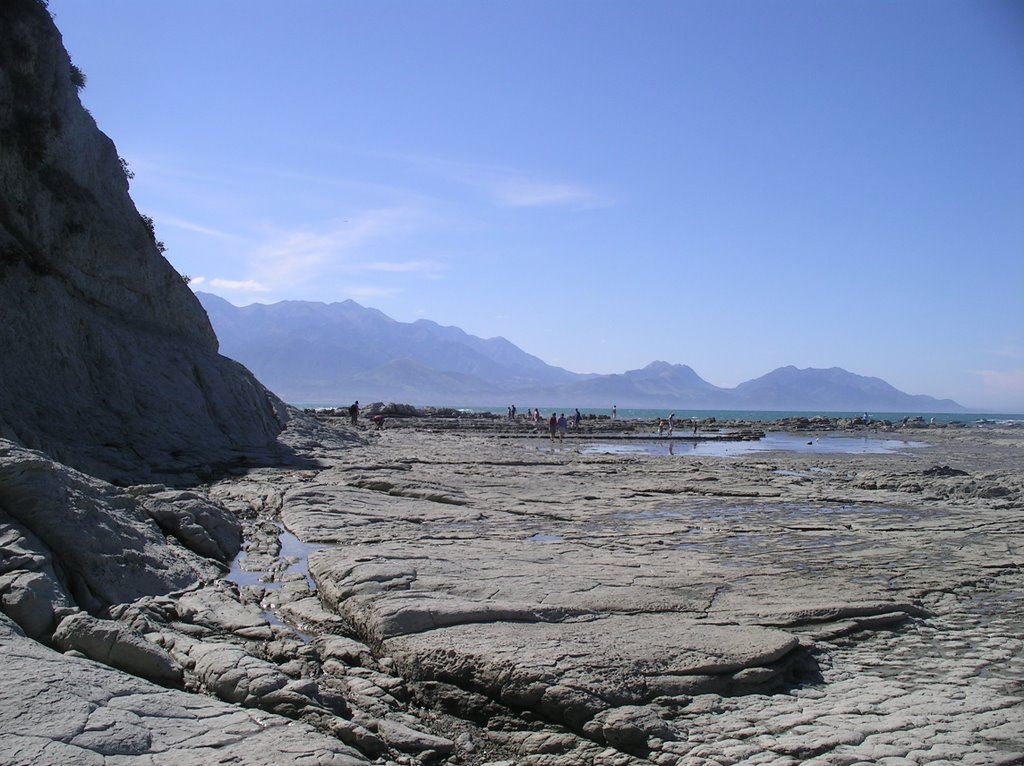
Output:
x=733 y=185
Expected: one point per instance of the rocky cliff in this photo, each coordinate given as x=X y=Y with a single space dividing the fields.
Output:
x=109 y=363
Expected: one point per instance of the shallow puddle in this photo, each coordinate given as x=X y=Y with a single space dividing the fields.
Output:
x=631 y=515
x=243 y=577
x=291 y=550
x=771 y=442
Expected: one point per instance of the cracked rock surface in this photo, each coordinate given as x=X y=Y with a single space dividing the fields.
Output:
x=454 y=597
x=592 y=608
x=79 y=712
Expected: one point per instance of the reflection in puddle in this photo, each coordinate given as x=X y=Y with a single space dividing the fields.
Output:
x=293 y=548
x=241 y=578
x=542 y=538
x=293 y=557
x=293 y=554
x=630 y=515
x=771 y=442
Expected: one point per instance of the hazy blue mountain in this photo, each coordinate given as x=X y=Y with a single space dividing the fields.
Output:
x=311 y=352
x=659 y=384
x=333 y=353
x=835 y=389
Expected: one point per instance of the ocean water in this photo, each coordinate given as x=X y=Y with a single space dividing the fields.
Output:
x=941 y=418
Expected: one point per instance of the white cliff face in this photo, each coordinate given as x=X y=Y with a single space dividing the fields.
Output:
x=109 y=363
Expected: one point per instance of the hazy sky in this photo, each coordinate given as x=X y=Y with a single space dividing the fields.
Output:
x=731 y=185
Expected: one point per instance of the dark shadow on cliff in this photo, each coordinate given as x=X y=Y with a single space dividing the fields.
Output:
x=110 y=364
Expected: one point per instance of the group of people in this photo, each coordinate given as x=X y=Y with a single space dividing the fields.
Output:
x=559 y=425
x=536 y=418
x=672 y=425
x=377 y=420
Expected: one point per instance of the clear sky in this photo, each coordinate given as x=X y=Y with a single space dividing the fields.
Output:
x=736 y=185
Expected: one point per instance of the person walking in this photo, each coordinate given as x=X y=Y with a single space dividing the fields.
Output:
x=353 y=413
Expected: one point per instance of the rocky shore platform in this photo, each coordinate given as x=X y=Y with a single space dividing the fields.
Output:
x=436 y=593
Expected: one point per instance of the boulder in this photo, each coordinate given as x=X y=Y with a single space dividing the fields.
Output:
x=30 y=593
x=410 y=740
x=202 y=525
x=109 y=550
x=115 y=645
x=33 y=600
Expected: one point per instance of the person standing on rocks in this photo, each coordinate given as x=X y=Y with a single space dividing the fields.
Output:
x=552 y=426
x=562 y=426
x=576 y=421
x=353 y=412
x=615 y=412
x=671 y=423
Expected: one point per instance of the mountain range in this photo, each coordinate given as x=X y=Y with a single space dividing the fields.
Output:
x=320 y=353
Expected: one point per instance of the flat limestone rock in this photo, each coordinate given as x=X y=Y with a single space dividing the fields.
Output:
x=75 y=711
x=609 y=661
x=661 y=605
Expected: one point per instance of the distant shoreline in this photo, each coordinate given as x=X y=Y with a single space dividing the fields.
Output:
x=721 y=416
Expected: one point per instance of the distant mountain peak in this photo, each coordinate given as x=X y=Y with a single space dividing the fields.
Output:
x=660 y=366
x=317 y=352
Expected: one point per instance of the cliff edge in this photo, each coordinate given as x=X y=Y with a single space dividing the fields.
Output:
x=109 y=363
